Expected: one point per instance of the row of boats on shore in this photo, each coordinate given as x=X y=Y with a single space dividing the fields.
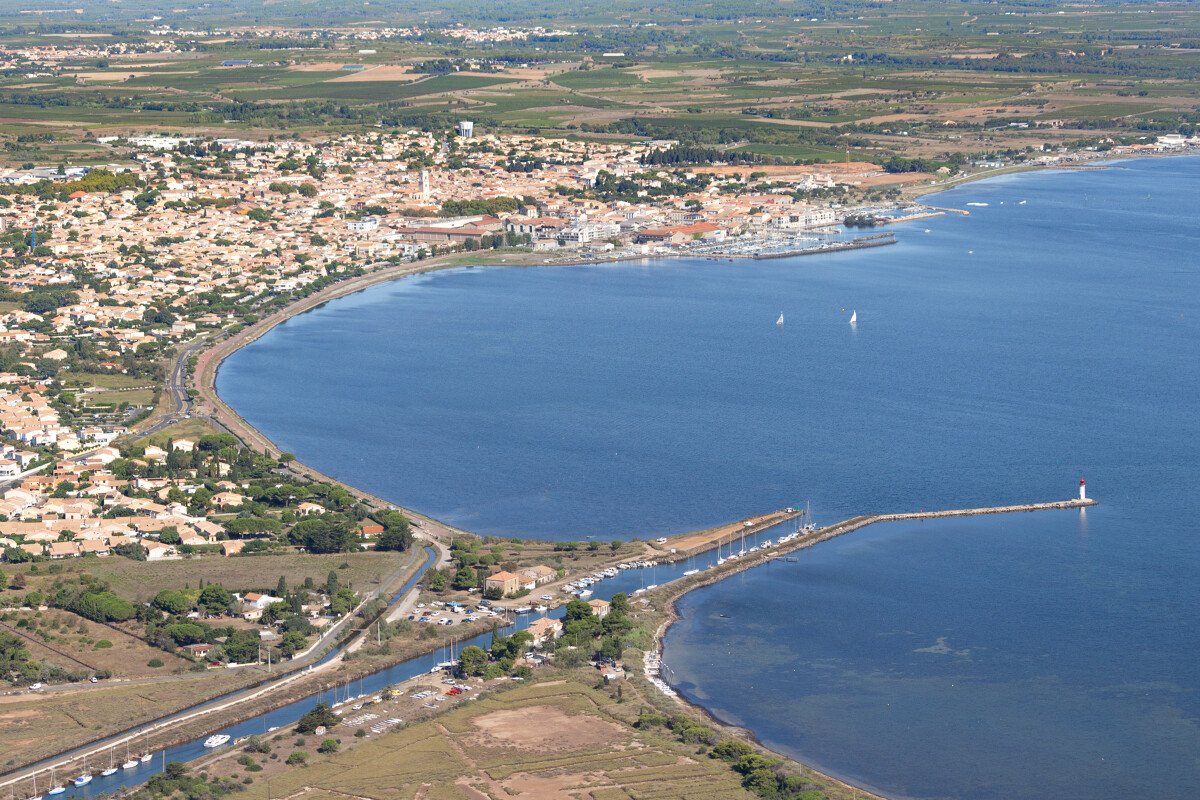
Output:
x=86 y=776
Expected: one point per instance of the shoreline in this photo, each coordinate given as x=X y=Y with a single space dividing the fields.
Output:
x=675 y=591
x=204 y=378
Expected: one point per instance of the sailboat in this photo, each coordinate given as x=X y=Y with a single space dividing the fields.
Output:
x=779 y=321
x=112 y=768
x=85 y=776
x=720 y=558
x=130 y=763
x=54 y=787
x=35 y=795
x=853 y=317
x=149 y=754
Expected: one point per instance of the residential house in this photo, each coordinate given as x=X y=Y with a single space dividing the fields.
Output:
x=505 y=581
x=600 y=607
x=545 y=629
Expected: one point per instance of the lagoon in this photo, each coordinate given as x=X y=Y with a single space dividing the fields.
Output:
x=998 y=358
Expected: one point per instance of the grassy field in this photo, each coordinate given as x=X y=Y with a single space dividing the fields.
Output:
x=192 y=428
x=135 y=397
x=554 y=739
x=72 y=642
x=141 y=580
x=41 y=724
x=105 y=380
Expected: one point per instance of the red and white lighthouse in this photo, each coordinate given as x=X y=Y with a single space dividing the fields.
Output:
x=1082 y=490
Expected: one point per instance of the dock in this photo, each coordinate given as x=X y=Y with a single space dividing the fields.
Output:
x=874 y=240
x=962 y=211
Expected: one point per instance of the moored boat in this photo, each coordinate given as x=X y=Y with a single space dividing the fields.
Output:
x=216 y=740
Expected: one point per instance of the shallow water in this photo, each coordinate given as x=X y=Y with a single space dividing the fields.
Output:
x=998 y=358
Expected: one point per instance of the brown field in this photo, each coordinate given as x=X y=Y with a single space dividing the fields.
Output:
x=139 y=581
x=387 y=72
x=64 y=646
x=539 y=741
x=41 y=724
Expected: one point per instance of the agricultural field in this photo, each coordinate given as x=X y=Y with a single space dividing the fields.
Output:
x=951 y=78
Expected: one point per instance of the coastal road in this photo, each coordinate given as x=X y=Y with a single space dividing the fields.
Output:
x=176 y=389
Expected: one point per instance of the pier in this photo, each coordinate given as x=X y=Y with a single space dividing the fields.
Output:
x=962 y=211
x=691 y=544
x=875 y=240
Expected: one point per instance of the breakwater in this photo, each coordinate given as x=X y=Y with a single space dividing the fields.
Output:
x=804 y=539
x=876 y=240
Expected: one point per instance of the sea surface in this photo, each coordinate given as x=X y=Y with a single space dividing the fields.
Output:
x=998 y=358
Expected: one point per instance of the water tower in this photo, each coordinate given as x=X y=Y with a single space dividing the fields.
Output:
x=466 y=129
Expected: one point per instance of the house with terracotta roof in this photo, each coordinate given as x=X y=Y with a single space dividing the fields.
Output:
x=545 y=629
x=64 y=550
x=507 y=582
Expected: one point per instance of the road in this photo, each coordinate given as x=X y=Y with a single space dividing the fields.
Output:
x=176 y=391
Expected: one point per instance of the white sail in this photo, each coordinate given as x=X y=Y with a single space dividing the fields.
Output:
x=780 y=320
x=853 y=317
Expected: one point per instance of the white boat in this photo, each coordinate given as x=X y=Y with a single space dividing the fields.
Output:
x=780 y=320
x=112 y=767
x=54 y=787
x=216 y=740
x=981 y=205
x=853 y=317
x=690 y=572
x=85 y=777
x=130 y=763
x=145 y=759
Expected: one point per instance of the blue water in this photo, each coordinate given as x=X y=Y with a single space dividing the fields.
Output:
x=998 y=358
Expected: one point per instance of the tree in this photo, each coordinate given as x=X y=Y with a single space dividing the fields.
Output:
x=610 y=647
x=731 y=750
x=328 y=746
x=397 y=533
x=200 y=502
x=620 y=603
x=281 y=587
x=291 y=643
x=241 y=647
x=331 y=583
x=169 y=535
x=321 y=715
x=328 y=533
x=464 y=579
x=215 y=598
x=473 y=661
x=172 y=602
x=437 y=581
